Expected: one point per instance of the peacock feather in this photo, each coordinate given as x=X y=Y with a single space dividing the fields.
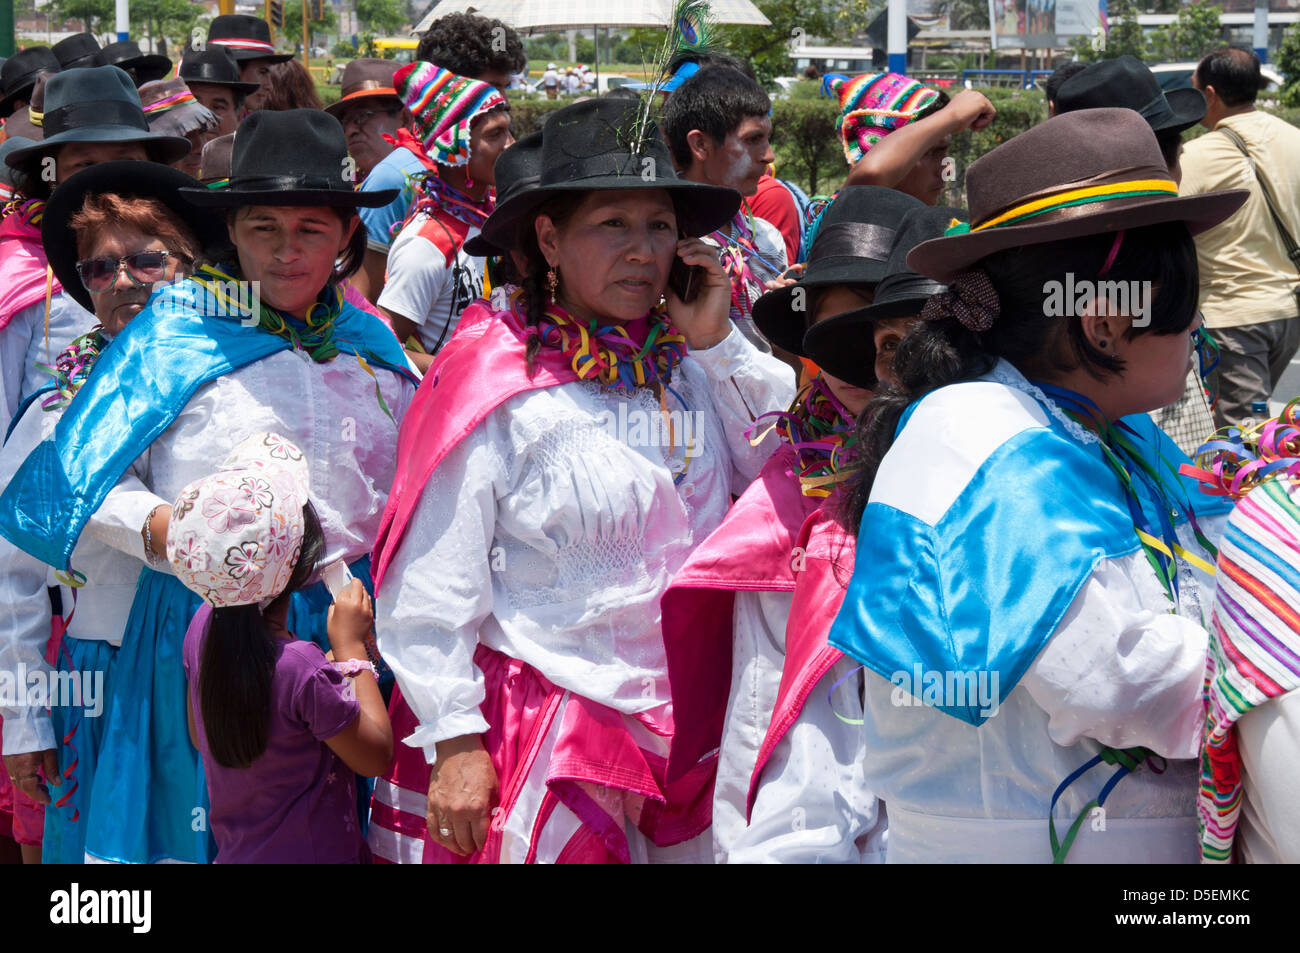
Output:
x=691 y=29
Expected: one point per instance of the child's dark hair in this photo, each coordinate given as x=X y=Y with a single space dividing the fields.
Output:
x=943 y=351
x=238 y=664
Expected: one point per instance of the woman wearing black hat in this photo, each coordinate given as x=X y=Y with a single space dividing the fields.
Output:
x=571 y=443
x=90 y=115
x=112 y=231
x=728 y=611
x=263 y=342
x=1031 y=569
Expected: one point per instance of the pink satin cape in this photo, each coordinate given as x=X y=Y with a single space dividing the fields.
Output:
x=22 y=268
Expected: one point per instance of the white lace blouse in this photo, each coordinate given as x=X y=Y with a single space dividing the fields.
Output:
x=551 y=531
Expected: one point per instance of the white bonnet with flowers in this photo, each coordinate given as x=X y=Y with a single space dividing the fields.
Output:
x=235 y=536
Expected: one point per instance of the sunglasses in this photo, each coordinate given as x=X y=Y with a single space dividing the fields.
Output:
x=144 y=268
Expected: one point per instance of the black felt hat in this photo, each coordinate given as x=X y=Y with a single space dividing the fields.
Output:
x=141 y=67
x=852 y=245
x=290 y=157
x=247 y=37
x=121 y=177
x=599 y=145
x=516 y=170
x=78 y=50
x=214 y=65
x=19 y=74
x=1126 y=82
x=843 y=345
x=99 y=104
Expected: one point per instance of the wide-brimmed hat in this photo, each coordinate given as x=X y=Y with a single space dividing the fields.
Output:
x=214 y=65
x=874 y=105
x=141 y=67
x=76 y=51
x=247 y=37
x=214 y=162
x=1079 y=173
x=171 y=108
x=852 y=247
x=843 y=345
x=366 y=79
x=19 y=73
x=516 y=170
x=1125 y=81
x=8 y=185
x=290 y=157
x=124 y=177
x=443 y=108
x=589 y=147
x=236 y=535
x=99 y=104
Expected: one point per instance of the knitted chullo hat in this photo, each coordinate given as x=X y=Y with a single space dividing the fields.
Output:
x=443 y=106
x=874 y=105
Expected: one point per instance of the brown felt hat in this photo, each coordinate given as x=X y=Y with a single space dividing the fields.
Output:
x=1079 y=173
x=366 y=79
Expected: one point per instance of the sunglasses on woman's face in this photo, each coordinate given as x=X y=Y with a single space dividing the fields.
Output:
x=144 y=268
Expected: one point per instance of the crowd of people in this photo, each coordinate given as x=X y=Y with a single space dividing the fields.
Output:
x=381 y=487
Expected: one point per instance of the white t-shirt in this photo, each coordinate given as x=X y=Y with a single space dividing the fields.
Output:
x=430 y=278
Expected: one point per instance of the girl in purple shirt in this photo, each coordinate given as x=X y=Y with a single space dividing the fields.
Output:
x=281 y=728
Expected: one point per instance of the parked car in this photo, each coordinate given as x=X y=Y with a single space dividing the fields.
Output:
x=1179 y=76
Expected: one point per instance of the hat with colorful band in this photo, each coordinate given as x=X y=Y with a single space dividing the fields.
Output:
x=443 y=106
x=874 y=105
x=1080 y=173
x=247 y=37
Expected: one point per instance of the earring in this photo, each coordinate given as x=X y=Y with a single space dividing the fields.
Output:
x=552 y=282
x=1101 y=344
x=469 y=183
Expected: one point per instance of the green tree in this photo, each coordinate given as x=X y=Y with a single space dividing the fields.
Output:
x=96 y=16
x=967 y=14
x=767 y=48
x=1125 y=36
x=293 y=22
x=384 y=17
x=164 y=20
x=1196 y=31
x=1288 y=61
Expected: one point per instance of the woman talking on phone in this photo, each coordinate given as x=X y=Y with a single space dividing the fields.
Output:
x=573 y=442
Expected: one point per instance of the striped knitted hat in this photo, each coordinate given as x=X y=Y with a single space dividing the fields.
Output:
x=443 y=106
x=874 y=105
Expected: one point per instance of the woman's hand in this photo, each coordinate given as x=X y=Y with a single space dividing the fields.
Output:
x=706 y=321
x=23 y=771
x=349 y=622
x=462 y=793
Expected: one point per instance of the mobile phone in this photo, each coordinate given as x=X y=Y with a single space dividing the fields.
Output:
x=684 y=279
x=336 y=577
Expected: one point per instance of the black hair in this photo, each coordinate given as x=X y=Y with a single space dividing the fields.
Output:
x=622 y=92
x=715 y=101
x=237 y=665
x=1169 y=143
x=1233 y=72
x=939 y=103
x=710 y=59
x=1059 y=75
x=470 y=46
x=533 y=282
x=352 y=256
x=940 y=352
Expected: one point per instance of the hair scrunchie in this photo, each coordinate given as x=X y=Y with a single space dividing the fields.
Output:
x=970 y=298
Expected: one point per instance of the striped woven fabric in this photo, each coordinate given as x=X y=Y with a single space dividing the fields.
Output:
x=874 y=105
x=443 y=106
x=1254 y=645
